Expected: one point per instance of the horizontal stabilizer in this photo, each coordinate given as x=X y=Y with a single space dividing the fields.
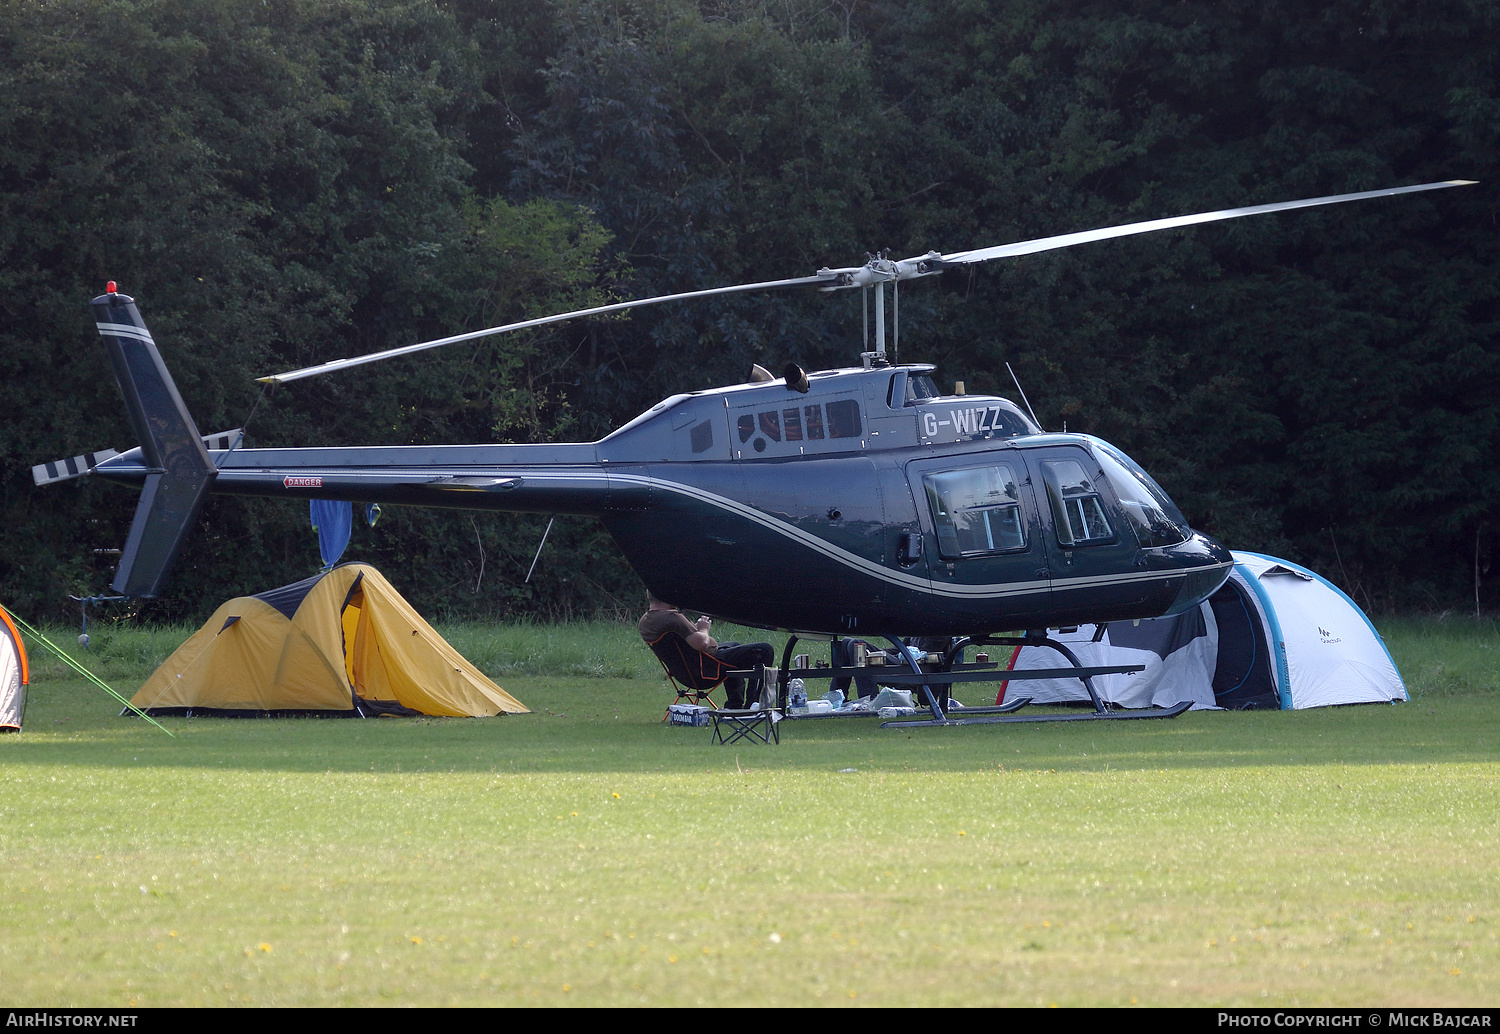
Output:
x=221 y=441
x=78 y=466
x=72 y=467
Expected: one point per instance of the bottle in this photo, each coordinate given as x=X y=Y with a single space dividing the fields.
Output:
x=796 y=693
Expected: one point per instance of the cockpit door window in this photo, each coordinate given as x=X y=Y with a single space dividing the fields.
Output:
x=976 y=511
x=1077 y=512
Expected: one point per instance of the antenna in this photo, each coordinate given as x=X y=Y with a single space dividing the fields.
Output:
x=539 y=549
x=1022 y=390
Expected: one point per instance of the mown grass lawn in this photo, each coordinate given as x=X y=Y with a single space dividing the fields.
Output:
x=589 y=855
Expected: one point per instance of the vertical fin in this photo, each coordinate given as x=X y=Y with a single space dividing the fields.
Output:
x=180 y=471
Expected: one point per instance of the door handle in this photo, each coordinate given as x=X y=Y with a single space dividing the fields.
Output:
x=909 y=549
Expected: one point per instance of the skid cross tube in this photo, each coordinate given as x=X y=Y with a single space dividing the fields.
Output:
x=925 y=681
x=946 y=678
x=1039 y=637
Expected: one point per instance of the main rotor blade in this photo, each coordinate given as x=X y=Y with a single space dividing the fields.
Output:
x=1068 y=240
x=599 y=310
x=877 y=270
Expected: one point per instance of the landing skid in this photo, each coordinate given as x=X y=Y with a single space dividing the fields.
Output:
x=1089 y=716
x=1008 y=707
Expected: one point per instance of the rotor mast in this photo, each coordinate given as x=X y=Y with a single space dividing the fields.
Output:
x=875 y=273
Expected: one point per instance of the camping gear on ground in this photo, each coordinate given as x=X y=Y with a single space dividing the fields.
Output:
x=692 y=715
x=15 y=675
x=343 y=643
x=755 y=725
x=891 y=697
x=1275 y=635
x=796 y=693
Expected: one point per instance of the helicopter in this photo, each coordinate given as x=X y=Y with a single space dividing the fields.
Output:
x=843 y=502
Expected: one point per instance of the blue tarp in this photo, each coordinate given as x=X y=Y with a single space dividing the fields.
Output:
x=333 y=520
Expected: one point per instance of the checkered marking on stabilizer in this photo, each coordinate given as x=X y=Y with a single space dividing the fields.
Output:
x=77 y=466
x=72 y=467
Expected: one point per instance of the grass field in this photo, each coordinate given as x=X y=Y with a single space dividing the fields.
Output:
x=589 y=855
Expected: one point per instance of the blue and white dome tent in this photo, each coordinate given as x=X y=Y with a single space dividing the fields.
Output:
x=1276 y=635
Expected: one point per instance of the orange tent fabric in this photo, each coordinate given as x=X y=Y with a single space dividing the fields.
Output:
x=343 y=642
x=14 y=675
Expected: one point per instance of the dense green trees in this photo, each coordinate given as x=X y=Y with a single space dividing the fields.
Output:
x=279 y=184
x=290 y=181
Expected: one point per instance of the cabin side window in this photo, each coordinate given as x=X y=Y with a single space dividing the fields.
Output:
x=843 y=419
x=814 y=422
x=1077 y=511
x=806 y=423
x=976 y=511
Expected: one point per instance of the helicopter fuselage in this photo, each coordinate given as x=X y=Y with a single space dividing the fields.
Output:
x=868 y=504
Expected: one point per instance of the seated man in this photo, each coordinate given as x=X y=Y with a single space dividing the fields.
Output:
x=842 y=653
x=663 y=617
x=844 y=650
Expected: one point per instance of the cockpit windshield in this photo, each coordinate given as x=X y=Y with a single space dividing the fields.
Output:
x=1152 y=514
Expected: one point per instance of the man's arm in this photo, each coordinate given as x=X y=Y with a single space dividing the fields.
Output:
x=700 y=640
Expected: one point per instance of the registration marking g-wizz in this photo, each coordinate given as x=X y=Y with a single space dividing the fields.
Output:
x=973 y=420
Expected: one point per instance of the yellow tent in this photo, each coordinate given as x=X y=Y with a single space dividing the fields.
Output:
x=339 y=643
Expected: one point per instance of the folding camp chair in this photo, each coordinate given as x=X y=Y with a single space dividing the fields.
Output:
x=693 y=673
x=757 y=726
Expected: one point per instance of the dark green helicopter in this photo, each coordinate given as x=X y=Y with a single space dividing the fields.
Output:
x=855 y=501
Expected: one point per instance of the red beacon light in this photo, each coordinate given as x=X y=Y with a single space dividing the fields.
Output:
x=111 y=288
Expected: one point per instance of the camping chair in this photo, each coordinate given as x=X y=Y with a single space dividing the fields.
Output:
x=752 y=726
x=693 y=673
